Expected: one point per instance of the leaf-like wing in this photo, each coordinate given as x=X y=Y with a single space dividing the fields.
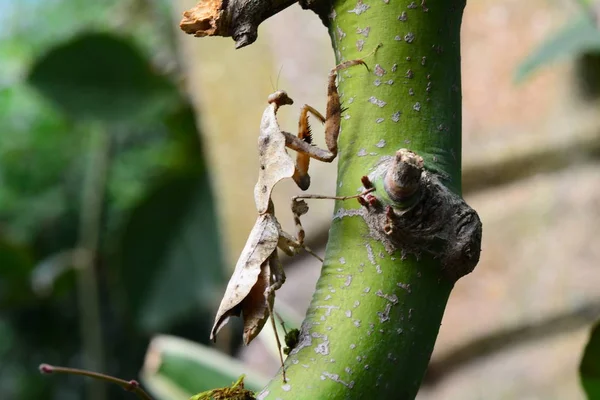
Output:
x=589 y=368
x=255 y=309
x=261 y=243
x=275 y=163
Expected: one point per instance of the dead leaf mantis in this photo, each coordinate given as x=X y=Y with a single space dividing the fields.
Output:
x=258 y=272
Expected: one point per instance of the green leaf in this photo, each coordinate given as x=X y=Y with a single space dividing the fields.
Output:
x=51 y=270
x=100 y=76
x=36 y=148
x=176 y=368
x=576 y=38
x=15 y=266
x=589 y=369
x=170 y=260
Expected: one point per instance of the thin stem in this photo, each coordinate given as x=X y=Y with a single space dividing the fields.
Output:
x=129 y=386
x=281 y=321
x=274 y=326
x=89 y=231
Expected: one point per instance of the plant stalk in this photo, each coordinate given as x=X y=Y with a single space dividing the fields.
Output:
x=374 y=317
x=89 y=231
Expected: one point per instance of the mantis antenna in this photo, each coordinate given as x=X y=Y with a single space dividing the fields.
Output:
x=277 y=81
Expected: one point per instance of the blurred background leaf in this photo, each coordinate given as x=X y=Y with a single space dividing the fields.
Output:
x=170 y=259
x=176 y=369
x=17 y=264
x=112 y=63
x=102 y=77
x=589 y=369
x=578 y=37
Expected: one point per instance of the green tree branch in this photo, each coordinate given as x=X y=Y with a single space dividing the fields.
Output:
x=375 y=315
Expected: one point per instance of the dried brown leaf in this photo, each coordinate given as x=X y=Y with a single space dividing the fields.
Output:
x=247 y=284
x=275 y=163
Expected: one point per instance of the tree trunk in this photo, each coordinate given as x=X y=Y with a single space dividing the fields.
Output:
x=376 y=312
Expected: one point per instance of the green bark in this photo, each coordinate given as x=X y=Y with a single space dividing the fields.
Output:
x=374 y=318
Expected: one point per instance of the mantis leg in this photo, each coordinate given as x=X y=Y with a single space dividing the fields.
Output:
x=291 y=245
x=301 y=176
x=302 y=143
x=278 y=278
x=299 y=208
x=298 y=199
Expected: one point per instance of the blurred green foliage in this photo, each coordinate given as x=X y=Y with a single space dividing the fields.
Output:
x=96 y=76
x=68 y=65
x=176 y=369
x=589 y=369
x=578 y=40
x=578 y=37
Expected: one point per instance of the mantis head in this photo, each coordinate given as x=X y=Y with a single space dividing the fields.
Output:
x=280 y=98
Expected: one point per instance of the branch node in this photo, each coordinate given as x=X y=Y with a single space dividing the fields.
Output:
x=388 y=227
x=366 y=182
x=371 y=199
x=46 y=369
x=423 y=216
x=403 y=177
x=132 y=385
